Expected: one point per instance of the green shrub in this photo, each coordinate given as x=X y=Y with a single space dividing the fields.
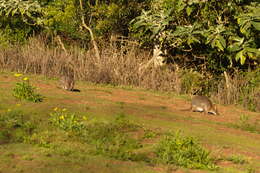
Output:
x=25 y=91
x=191 y=81
x=183 y=151
x=67 y=121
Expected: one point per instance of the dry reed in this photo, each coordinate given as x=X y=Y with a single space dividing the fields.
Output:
x=118 y=66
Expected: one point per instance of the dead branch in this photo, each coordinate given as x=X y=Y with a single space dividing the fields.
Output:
x=97 y=54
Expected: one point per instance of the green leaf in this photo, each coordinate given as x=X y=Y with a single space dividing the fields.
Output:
x=245 y=28
x=252 y=53
x=219 y=45
x=219 y=42
x=14 y=11
x=209 y=39
x=253 y=50
x=192 y=40
x=238 y=40
x=242 y=20
x=256 y=25
x=8 y=11
x=189 y=10
x=242 y=60
x=222 y=41
x=240 y=56
x=234 y=47
x=22 y=11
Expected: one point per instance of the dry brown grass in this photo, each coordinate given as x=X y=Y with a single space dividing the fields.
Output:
x=120 y=66
x=237 y=90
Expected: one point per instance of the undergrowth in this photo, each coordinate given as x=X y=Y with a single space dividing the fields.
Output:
x=237 y=159
x=119 y=139
x=14 y=127
x=183 y=151
x=246 y=124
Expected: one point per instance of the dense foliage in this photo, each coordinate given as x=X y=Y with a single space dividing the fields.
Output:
x=21 y=19
x=213 y=35
x=221 y=34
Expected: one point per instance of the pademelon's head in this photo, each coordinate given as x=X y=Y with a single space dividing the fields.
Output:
x=214 y=110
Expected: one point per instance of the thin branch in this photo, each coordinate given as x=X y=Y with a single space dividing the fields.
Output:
x=62 y=45
x=97 y=54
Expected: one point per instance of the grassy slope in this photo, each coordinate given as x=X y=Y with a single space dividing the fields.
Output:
x=151 y=109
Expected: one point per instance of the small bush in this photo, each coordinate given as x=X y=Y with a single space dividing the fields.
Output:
x=67 y=121
x=191 y=81
x=25 y=91
x=183 y=151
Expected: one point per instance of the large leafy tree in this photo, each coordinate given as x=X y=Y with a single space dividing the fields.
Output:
x=19 y=19
x=63 y=17
x=220 y=34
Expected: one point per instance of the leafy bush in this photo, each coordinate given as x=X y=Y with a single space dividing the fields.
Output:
x=24 y=90
x=191 y=81
x=183 y=151
x=67 y=121
x=19 y=20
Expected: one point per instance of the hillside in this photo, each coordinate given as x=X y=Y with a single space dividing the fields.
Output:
x=233 y=137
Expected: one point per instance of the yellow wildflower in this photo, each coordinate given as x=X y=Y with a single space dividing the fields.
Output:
x=18 y=74
x=64 y=109
x=62 y=117
x=26 y=78
x=55 y=109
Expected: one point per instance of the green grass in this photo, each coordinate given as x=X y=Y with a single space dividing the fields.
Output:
x=102 y=132
x=245 y=124
x=237 y=159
